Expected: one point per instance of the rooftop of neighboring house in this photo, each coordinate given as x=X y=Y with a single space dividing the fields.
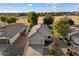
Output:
x=10 y=31
x=43 y=30
x=73 y=29
x=76 y=35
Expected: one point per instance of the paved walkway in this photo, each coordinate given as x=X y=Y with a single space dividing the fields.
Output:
x=58 y=47
x=32 y=52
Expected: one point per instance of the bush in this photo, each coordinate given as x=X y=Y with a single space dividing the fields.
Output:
x=60 y=38
x=11 y=19
x=69 y=53
x=8 y=19
x=51 y=51
x=3 y=18
x=68 y=43
x=48 y=19
x=71 y=22
x=61 y=27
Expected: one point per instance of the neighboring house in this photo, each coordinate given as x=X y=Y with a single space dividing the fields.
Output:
x=74 y=39
x=40 y=37
x=11 y=33
x=10 y=36
x=73 y=35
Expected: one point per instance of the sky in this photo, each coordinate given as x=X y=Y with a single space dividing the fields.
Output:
x=38 y=7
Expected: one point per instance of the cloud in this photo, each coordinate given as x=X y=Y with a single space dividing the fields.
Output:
x=29 y=4
x=51 y=8
x=73 y=8
x=76 y=7
x=7 y=8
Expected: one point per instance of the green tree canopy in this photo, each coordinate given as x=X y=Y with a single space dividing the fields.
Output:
x=61 y=27
x=8 y=19
x=48 y=19
x=11 y=19
x=32 y=18
x=71 y=22
x=3 y=18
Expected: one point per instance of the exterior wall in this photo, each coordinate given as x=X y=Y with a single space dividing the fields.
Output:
x=4 y=41
x=14 y=38
x=36 y=41
x=26 y=48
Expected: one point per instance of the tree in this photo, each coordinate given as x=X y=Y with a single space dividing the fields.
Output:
x=3 y=18
x=71 y=22
x=48 y=19
x=61 y=27
x=32 y=18
x=11 y=19
x=8 y=19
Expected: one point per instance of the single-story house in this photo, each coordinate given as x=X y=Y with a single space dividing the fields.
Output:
x=40 y=34
x=9 y=34
x=39 y=37
x=8 y=37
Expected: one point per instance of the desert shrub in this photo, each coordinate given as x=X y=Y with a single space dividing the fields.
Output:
x=69 y=53
x=71 y=22
x=51 y=51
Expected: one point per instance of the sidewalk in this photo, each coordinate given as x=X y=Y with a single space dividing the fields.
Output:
x=32 y=52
